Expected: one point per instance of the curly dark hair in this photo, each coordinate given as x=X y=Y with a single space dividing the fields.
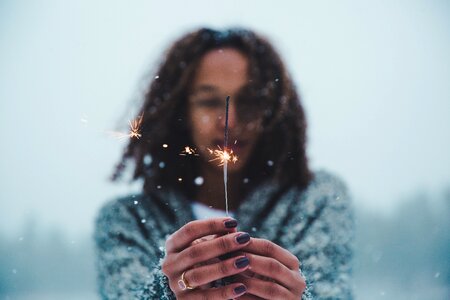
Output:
x=281 y=153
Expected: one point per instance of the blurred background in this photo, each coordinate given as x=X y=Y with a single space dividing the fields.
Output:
x=374 y=79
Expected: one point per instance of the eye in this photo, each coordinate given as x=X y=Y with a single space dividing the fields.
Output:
x=209 y=103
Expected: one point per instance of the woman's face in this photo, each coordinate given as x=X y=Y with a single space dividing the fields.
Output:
x=221 y=73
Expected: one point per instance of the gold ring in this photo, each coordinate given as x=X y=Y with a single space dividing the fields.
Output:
x=184 y=284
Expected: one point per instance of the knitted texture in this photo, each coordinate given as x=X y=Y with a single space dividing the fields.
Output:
x=315 y=224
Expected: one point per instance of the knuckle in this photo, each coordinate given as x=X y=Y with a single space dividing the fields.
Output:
x=164 y=270
x=190 y=229
x=197 y=241
x=297 y=276
x=164 y=267
x=248 y=282
x=208 y=296
x=194 y=252
x=275 y=266
x=295 y=262
x=174 y=289
x=169 y=243
x=224 y=293
x=225 y=244
x=271 y=290
x=223 y=268
x=212 y=226
x=302 y=283
x=194 y=277
x=268 y=248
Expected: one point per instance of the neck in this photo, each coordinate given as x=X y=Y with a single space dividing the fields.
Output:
x=212 y=192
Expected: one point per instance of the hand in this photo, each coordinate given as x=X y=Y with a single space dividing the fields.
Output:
x=274 y=272
x=185 y=255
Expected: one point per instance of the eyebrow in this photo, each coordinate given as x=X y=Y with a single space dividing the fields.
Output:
x=204 y=88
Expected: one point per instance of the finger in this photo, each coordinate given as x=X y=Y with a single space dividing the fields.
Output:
x=193 y=230
x=272 y=268
x=246 y=296
x=206 y=274
x=230 y=291
x=210 y=249
x=213 y=236
x=249 y=297
x=248 y=273
x=204 y=239
x=269 y=249
x=266 y=289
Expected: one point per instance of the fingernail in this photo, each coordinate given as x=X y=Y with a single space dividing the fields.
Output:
x=230 y=223
x=240 y=289
x=241 y=262
x=243 y=238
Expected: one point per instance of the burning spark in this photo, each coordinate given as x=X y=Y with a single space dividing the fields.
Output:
x=188 y=151
x=223 y=156
x=135 y=129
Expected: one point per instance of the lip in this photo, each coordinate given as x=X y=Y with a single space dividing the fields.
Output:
x=236 y=146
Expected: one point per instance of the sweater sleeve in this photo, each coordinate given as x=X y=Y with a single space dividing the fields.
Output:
x=128 y=256
x=322 y=238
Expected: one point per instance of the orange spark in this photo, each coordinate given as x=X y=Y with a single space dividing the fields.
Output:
x=222 y=156
x=135 y=129
x=188 y=151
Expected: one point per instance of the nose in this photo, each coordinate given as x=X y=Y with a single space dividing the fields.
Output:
x=232 y=118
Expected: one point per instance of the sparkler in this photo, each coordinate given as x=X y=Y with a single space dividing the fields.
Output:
x=189 y=151
x=222 y=156
x=225 y=155
x=135 y=129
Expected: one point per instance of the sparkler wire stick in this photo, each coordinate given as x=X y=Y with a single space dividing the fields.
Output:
x=225 y=149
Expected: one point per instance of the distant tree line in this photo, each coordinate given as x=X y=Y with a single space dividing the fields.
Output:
x=411 y=244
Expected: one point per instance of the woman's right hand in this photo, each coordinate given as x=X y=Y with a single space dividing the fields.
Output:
x=184 y=256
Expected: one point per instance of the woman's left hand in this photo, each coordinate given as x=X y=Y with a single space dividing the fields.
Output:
x=276 y=272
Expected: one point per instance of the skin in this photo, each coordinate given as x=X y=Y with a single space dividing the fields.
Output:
x=272 y=272
x=221 y=73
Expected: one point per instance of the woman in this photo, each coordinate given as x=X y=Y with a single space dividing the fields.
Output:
x=149 y=245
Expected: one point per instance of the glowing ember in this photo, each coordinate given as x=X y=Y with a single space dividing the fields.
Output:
x=189 y=151
x=223 y=156
x=135 y=129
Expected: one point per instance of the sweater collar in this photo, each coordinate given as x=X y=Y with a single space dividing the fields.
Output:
x=247 y=213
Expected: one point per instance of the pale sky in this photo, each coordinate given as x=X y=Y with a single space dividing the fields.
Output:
x=374 y=78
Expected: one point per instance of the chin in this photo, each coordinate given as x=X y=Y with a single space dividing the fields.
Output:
x=234 y=168
x=231 y=169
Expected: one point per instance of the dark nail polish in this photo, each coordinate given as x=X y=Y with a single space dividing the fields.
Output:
x=240 y=289
x=241 y=262
x=243 y=238
x=230 y=223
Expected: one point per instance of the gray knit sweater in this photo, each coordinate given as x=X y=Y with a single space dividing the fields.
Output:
x=315 y=224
